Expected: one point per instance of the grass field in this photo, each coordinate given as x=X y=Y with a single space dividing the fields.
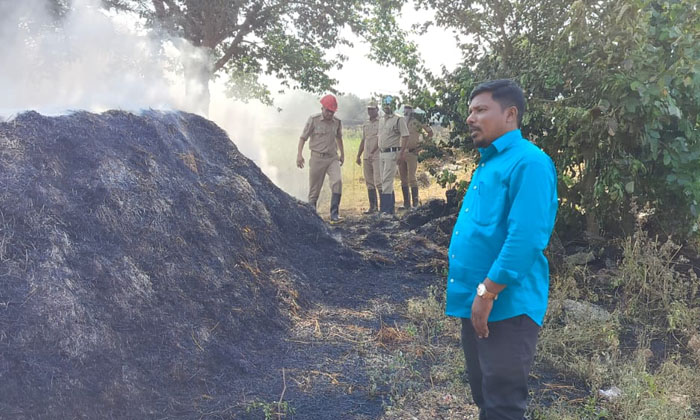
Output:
x=280 y=145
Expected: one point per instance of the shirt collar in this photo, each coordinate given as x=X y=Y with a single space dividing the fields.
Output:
x=502 y=143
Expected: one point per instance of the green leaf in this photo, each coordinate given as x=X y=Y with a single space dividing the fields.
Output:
x=674 y=111
x=623 y=10
x=629 y=187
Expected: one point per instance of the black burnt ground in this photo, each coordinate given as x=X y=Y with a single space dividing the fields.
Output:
x=147 y=268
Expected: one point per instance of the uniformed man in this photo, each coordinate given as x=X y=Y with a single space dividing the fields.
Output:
x=393 y=138
x=370 y=161
x=326 y=140
x=408 y=167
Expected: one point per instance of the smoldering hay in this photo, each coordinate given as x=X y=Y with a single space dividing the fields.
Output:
x=144 y=262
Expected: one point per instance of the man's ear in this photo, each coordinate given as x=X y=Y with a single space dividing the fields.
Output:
x=512 y=114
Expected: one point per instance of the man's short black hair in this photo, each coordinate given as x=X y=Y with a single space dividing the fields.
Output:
x=506 y=92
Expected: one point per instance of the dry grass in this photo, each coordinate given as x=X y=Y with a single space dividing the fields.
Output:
x=645 y=349
x=391 y=337
x=415 y=364
x=281 y=151
x=190 y=161
x=355 y=200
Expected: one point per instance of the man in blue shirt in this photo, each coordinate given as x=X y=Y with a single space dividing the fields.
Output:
x=498 y=277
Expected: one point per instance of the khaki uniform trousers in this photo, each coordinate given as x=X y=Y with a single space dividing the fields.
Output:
x=321 y=164
x=407 y=170
x=372 y=172
x=387 y=161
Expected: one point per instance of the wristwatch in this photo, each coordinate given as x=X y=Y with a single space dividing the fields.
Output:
x=485 y=294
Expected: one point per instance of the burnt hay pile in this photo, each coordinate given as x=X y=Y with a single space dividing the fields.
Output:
x=144 y=262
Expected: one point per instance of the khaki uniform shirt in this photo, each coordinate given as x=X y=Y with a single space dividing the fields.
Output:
x=370 y=135
x=414 y=131
x=391 y=129
x=322 y=134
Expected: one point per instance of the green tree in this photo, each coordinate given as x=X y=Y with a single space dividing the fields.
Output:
x=245 y=39
x=613 y=95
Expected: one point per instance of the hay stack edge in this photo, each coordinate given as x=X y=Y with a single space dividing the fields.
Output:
x=144 y=263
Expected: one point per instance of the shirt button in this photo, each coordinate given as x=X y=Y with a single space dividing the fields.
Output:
x=453 y=255
x=483 y=164
x=466 y=210
x=452 y=280
x=456 y=232
x=474 y=186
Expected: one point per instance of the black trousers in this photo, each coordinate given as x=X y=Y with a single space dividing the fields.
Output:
x=498 y=366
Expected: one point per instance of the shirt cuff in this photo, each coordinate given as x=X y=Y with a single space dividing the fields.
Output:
x=500 y=275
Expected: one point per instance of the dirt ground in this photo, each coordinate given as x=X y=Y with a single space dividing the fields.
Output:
x=149 y=270
x=331 y=360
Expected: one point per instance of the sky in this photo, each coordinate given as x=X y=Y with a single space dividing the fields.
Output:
x=363 y=77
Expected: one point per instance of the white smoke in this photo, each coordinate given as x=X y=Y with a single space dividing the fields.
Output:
x=95 y=60
x=88 y=60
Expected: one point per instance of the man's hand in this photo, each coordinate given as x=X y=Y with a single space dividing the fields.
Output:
x=341 y=159
x=402 y=155
x=359 y=160
x=481 y=308
x=300 y=161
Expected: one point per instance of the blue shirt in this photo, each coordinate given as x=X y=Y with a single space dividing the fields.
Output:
x=503 y=227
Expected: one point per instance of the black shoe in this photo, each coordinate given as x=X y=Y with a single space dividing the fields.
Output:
x=387 y=203
x=372 y=194
x=414 y=194
x=384 y=201
x=406 y=198
x=335 y=203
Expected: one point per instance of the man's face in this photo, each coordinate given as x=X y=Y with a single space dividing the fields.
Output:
x=372 y=112
x=487 y=121
x=388 y=110
x=407 y=111
x=327 y=113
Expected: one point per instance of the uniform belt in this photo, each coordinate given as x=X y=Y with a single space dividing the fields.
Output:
x=323 y=155
x=391 y=149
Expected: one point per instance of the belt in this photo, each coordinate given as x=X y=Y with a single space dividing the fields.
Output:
x=323 y=155
x=412 y=150
x=390 y=149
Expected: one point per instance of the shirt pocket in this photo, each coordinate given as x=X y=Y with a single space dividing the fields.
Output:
x=322 y=130
x=489 y=203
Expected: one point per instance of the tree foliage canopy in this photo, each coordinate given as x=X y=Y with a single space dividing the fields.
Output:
x=613 y=92
x=289 y=40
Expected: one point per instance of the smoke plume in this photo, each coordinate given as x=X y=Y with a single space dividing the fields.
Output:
x=86 y=60
x=93 y=60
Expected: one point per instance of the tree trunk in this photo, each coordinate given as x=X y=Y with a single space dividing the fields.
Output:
x=588 y=181
x=198 y=72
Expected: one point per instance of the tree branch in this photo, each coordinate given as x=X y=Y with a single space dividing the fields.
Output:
x=500 y=21
x=251 y=22
x=159 y=5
